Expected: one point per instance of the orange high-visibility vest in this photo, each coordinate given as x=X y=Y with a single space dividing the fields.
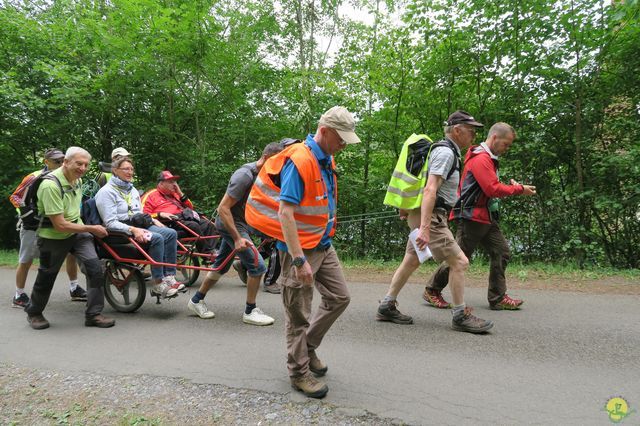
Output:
x=311 y=215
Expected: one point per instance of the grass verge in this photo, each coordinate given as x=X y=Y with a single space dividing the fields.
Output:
x=480 y=268
x=9 y=258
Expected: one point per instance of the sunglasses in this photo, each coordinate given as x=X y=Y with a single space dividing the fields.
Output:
x=341 y=141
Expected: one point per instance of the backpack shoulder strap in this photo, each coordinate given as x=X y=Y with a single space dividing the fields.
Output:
x=54 y=178
x=457 y=165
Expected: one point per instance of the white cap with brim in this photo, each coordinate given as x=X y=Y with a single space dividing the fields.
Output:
x=341 y=120
x=120 y=152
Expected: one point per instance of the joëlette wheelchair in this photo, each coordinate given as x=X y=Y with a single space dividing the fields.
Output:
x=188 y=254
x=124 y=259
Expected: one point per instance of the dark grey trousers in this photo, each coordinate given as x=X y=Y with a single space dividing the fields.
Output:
x=469 y=236
x=52 y=255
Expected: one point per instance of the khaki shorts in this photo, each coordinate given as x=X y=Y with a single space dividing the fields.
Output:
x=441 y=241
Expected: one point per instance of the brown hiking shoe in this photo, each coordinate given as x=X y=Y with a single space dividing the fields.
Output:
x=99 y=321
x=435 y=299
x=316 y=366
x=38 y=322
x=470 y=323
x=309 y=386
x=388 y=311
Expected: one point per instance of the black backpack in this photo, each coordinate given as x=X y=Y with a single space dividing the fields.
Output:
x=419 y=151
x=89 y=213
x=29 y=216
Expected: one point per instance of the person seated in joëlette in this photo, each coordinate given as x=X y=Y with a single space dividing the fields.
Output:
x=119 y=205
x=169 y=204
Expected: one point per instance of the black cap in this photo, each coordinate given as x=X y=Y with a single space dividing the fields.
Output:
x=462 y=117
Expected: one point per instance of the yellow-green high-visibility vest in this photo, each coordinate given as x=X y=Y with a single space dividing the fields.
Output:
x=405 y=190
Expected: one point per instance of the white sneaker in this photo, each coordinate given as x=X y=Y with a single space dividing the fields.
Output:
x=163 y=290
x=257 y=317
x=171 y=282
x=200 y=309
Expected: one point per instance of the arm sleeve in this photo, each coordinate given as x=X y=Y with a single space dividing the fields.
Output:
x=484 y=172
x=187 y=203
x=51 y=198
x=149 y=203
x=441 y=161
x=291 y=187
x=240 y=184
x=106 y=203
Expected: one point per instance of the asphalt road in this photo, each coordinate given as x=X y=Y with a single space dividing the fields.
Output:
x=557 y=361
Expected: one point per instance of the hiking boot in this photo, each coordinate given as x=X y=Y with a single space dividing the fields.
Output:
x=257 y=317
x=78 y=295
x=163 y=290
x=387 y=311
x=435 y=299
x=20 y=301
x=173 y=283
x=507 y=304
x=99 y=321
x=38 y=322
x=316 y=366
x=470 y=323
x=242 y=273
x=200 y=309
x=309 y=386
x=273 y=288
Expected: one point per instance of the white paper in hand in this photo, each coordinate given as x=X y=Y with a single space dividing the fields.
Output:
x=424 y=254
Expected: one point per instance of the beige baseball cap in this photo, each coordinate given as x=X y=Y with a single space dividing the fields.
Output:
x=340 y=120
x=120 y=152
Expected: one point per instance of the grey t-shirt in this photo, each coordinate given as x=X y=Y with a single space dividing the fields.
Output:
x=441 y=160
x=239 y=188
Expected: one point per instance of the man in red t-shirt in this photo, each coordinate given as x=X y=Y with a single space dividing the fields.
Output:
x=476 y=213
x=168 y=202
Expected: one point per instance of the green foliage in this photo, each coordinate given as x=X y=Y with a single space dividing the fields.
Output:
x=201 y=87
x=9 y=258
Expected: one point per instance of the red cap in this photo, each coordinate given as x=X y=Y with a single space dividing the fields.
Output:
x=166 y=175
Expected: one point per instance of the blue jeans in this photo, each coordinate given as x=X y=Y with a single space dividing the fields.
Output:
x=251 y=259
x=162 y=248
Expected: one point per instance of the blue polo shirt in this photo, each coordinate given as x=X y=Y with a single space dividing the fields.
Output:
x=292 y=187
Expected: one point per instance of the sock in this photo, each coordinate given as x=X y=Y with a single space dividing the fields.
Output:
x=250 y=307
x=19 y=291
x=388 y=299
x=73 y=284
x=458 y=310
x=197 y=297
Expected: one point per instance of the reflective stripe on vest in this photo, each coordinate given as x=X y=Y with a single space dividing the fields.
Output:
x=311 y=216
x=405 y=190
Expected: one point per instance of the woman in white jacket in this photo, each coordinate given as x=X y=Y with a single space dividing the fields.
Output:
x=117 y=202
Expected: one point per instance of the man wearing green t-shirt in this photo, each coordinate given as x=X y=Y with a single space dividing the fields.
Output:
x=63 y=232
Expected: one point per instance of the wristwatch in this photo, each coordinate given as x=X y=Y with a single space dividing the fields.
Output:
x=299 y=261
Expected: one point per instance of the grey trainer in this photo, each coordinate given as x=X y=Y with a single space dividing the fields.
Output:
x=388 y=311
x=470 y=323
